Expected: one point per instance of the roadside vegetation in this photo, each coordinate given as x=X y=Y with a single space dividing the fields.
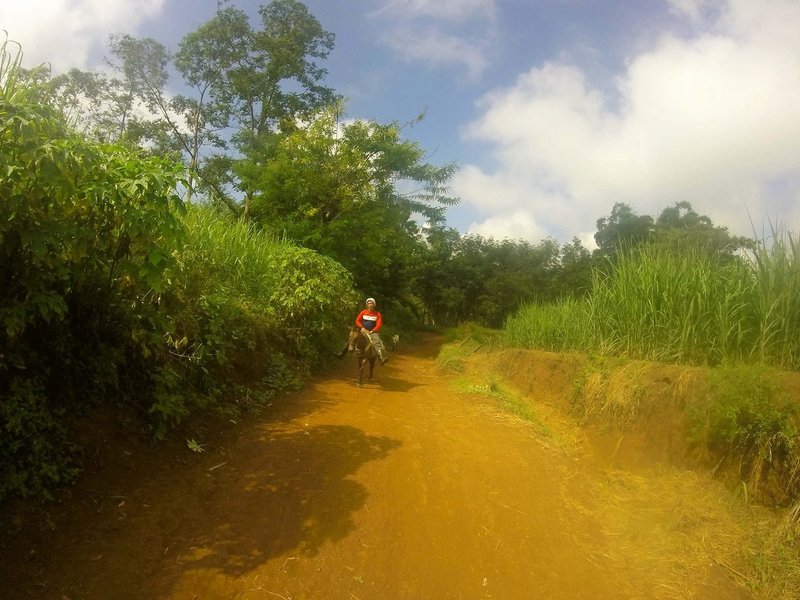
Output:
x=737 y=315
x=184 y=258
x=729 y=323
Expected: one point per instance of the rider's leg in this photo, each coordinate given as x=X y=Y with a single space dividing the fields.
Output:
x=378 y=343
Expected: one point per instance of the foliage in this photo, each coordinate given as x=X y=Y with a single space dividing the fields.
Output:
x=270 y=79
x=249 y=84
x=564 y=326
x=687 y=307
x=87 y=235
x=247 y=308
x=623 y=228
x=747 y=416
x=776 y=300
x=678 y=227
x=474 y=278
x=36 y=453
x=332 y=187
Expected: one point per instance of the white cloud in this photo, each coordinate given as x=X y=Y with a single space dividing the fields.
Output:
x=694 y=9
x=434 y=47
x=441 y=33
x=714 y=120
x=519 y=225
x=64 y=32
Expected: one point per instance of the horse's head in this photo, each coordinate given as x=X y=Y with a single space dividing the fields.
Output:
x=353 y=338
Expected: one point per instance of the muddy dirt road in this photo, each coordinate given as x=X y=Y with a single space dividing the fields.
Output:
x=402 y=489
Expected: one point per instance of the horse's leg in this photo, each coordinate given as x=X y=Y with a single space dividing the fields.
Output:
x=361 y=362
x=371 y=366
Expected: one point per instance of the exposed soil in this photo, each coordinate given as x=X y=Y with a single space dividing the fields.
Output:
x=405 y=488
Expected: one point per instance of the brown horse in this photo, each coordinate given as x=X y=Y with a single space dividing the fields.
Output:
x=360 y=343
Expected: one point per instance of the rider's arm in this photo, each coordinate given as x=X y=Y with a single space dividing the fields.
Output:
x=378 y=324
x=359 y=320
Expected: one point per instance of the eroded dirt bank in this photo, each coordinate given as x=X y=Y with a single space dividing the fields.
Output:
x=402 y=489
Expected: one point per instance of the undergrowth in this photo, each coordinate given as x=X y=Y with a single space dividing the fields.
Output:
x=748 y=418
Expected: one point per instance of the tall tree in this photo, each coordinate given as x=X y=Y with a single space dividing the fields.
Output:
x=204 y=58
x=251 y=86
x=622 y=228
x=681 y=227
x=275 y=83
x=333 y=187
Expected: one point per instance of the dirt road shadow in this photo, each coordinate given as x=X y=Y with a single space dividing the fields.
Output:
x=291 y=496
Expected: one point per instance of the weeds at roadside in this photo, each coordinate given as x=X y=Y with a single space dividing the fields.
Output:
x=614 y=392
x=463 y=341
x=451 y=358
x=684 y=526
x=509 y=402
x=747 y=418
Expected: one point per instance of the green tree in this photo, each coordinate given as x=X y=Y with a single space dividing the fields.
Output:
x=622 y=228
x=333 y=187
x=203 y=58
x=681 y=228
x=573 y=277
x=274 y=82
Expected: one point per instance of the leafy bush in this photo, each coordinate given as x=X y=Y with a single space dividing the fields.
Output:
x=87 y=236
x=36 y=453
x=249 y=314
x=749 y=417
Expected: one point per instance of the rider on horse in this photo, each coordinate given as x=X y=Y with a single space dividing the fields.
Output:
x=370 y=321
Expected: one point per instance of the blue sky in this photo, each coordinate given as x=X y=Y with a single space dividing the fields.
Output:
x=553 y=109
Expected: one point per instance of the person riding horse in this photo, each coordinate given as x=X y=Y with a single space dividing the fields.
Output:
x=370 y=321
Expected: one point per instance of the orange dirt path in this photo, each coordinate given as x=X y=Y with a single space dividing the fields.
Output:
x=401 y=489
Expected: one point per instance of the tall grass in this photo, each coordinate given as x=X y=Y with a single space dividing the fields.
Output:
x=686 y=307
x=691 y=307
x=227 y=257
x=272 y=286
x=777 y=302
x=562 y=327
x=246 y=311
x=10 y=60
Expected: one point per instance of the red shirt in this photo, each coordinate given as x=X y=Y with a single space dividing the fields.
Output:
x=370 y=320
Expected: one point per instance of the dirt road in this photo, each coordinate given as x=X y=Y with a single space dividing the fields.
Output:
x=402 y=489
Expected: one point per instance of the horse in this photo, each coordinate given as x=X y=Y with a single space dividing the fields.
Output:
x=360 y=343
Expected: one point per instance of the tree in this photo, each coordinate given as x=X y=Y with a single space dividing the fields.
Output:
x=275 y=84
x=203 y=58
x=251 y=86
x=88 y=234
x=680 y=227
x=333 y=187
x=573 y=278
x=621 y=229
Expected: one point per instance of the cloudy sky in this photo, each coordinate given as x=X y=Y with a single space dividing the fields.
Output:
x=553 y=109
